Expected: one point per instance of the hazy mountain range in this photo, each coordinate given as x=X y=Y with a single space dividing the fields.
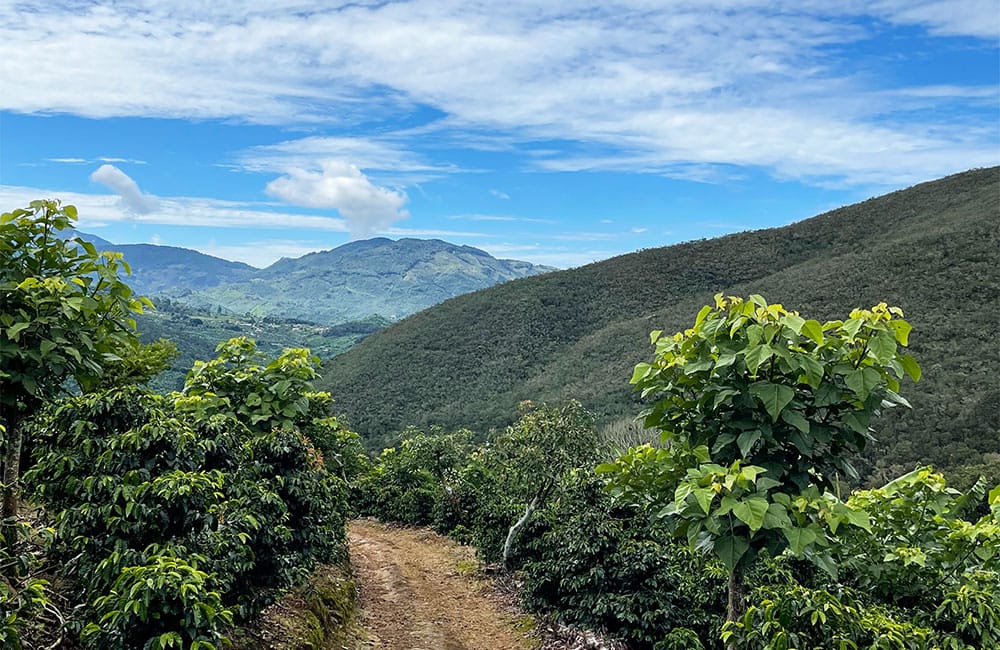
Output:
x=391 y=279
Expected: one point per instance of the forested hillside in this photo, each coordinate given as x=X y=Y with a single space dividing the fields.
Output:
x=933 y=250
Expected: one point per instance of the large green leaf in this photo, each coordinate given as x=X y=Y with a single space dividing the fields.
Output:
x=813 y=330
x=756 y=355
x=746 y=441
x=751 y=512
x=799 y=539
x=910 y=366
x=863 y=381
x=730 y=549
x=883 y=346
x=776 y=517
x=774 y=397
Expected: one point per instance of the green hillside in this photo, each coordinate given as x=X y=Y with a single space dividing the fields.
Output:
x=933 y=249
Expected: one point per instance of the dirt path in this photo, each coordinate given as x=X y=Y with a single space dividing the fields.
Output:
x=419 y=592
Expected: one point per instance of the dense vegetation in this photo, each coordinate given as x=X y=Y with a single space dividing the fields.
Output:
x=163 y=519
x=159 y=520
x=760 y=410
x=197 y=333
x=931 y=249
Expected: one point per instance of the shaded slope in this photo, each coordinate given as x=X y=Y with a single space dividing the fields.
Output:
x=933 y=249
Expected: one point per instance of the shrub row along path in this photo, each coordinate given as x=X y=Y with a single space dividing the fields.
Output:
x=419 y=591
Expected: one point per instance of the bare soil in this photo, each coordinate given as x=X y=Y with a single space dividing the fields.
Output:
x=422 y=591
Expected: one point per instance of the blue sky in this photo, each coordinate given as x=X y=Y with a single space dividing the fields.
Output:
x=556 y=132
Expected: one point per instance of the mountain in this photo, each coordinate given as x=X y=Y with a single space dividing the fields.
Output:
x=167 y=269
x=933 y=249
x=375 y=276
x=379 y=277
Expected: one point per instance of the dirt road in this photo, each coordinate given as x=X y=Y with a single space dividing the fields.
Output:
x=419 y=592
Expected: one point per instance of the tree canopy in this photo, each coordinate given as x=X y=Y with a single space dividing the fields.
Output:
x=65 y=314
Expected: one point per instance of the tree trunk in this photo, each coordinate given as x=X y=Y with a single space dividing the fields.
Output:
x=507 y=545
x=737 y=606
x=12 y=469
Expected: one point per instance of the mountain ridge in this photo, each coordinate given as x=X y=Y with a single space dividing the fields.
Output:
x=380 y=276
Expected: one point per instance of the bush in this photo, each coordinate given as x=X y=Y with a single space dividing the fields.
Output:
x=604 y=567
x=184 y=500
x=165 y=603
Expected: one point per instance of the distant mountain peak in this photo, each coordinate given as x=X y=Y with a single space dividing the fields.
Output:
x=391 y=278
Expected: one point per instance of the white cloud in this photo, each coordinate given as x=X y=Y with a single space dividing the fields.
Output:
x=68 y=161
x=101 y=209
x=133 y=200
x=366 y=207
x=632 y=85
x=500 y=195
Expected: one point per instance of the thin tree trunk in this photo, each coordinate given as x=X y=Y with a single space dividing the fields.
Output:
x=12 y=469
x=736 y=607
x=507 y=545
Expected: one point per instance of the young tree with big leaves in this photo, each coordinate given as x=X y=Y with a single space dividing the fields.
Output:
x=65 y=314
x=761 y=411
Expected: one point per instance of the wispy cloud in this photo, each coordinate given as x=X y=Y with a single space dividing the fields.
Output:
x=103 y=159
x=500 y=195
x=101 y=209
x=133 y=200
x=630 y=85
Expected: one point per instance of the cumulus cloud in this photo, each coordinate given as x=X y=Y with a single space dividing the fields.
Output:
x=133 y=200
x=366 y=207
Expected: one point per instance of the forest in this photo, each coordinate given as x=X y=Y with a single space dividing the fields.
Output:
x=731 y=516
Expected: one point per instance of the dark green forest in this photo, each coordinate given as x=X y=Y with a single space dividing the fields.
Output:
x=932 y=249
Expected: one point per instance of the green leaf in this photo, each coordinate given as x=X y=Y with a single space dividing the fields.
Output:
x=862 y=381
x=910 y=366
x=797 y=420
x=813 y=330
x=704 y=497
x=857 y=422
x=774 y=397
x=730 y=549
x=799 y=539
x=746 y=440
x=901 y=330
x=776 y=517
x=14 y=331
x=883 y=346
x=757 y=355
x=851 y=327
x=751 y=512
x=641 y=371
